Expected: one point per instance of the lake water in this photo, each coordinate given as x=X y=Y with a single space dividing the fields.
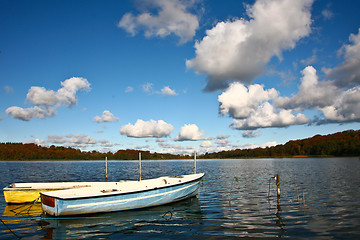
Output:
x=320 y=199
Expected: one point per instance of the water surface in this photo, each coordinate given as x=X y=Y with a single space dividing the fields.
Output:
x=319 y=199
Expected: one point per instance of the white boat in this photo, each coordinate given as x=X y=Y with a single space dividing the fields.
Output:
x=120 y=196
x=19 y=193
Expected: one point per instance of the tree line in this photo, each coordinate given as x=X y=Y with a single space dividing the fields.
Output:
x=340 y=144
x=31 y=151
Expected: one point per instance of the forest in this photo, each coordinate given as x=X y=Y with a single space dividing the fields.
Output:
x=341 y=144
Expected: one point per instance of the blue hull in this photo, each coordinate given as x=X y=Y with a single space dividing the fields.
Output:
x=58 y=206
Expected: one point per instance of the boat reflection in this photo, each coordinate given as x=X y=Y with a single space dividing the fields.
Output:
x=116 y=224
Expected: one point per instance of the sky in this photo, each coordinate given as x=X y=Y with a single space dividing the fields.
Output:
x=177 y=76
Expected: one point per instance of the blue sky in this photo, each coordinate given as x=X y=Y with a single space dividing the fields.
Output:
x=177 y=76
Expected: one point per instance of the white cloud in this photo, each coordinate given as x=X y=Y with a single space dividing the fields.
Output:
x=251 y=134
x=336 y=104
x=105 y=143
x=143 y=129
x=167 y=91
x=39 y=142
x=191 y=132
x=107 y=116
x=70 y=140
x=147 y=87
x=56 y=139
x=222 y=142
x=206 y=144
x=346 y=107
x=66 y=94
x=129 y=89
x=171 y=17
x=239 y=101
x=26 y=114
x=239 y=50
x=327 y=13
x=250 y=109
x=222 y=136
x=312 y=93
x=47 y=101
x=347 y=74
x=266 y=116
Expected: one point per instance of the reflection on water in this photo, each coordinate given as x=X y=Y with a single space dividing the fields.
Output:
x=155 y=221
x=319 y=199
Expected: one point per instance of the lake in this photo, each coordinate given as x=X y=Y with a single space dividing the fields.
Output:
x=320 y=199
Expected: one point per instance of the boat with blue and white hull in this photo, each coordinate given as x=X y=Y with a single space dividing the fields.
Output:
x=121 y=196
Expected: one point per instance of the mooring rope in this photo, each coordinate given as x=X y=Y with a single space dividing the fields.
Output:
x=246 y=180
x=26 y=208
x=192 y=169
x=10 y=229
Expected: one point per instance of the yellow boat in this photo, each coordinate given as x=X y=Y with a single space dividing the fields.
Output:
x=18 y=193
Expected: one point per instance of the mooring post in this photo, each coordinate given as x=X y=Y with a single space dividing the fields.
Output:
x=139 y=166
x=106 y=169
x=277 y=185
x=194 y=162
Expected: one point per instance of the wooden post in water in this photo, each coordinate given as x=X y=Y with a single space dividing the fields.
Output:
x=277 y=185
x=194 y=162
x=106 y=169
x=139 y=166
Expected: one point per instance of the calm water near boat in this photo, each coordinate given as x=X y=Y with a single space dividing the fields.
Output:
x=320 y=199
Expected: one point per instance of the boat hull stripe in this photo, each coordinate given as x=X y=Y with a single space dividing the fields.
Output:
x=130 y=199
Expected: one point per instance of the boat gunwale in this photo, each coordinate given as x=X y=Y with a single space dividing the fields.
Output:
x=35 y=189
x=70 y=198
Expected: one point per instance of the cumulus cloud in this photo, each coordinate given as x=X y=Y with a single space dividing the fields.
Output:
x=239 y=50
x=222 y=136
x=206 y=144
x=47 y=101
x=169 y=17
x=312 y=93
x=26 y=114
x=106 y=143
x=347 y=74
x=73 y=140
x=239 y=101
x=167 y=91
x=335 y=103
x=266 y=116
x=191 y=132
x=149 y=129
x=79 y=140
x=106 y=116
x=56 y=139
x=38 y=141
x=346 y=107
x=251 y=134
x=250 y=108
x=65 y=95
x=175 y=148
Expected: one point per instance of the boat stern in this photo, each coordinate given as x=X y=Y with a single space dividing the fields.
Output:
x=48 y=205
x=14 y=196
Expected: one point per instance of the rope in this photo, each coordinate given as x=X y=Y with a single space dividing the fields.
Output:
x=25 y=209
x=10 y=229
x=246 y=180
x=192 y=169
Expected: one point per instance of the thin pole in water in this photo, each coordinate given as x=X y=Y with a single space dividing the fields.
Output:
x=105 y=168
x=194 y=162
x=139 y=166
